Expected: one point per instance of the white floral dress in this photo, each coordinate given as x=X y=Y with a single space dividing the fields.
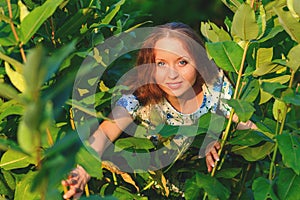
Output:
x=212 y=101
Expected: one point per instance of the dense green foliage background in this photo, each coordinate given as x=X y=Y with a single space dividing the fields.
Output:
x=42 y=46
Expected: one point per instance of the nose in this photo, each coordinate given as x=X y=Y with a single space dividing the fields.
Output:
x=172 y=73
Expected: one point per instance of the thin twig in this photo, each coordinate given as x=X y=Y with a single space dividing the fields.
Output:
x=13 y=29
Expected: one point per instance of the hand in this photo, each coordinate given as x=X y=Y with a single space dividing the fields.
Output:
x=76 y=181
x=212 y=155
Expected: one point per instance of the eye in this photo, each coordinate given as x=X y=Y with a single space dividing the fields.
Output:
x=182 y=63
x=160 y=64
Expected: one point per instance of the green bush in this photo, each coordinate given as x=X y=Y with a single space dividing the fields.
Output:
x=42 y=47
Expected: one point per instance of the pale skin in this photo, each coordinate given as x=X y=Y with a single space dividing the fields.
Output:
x=176 y=76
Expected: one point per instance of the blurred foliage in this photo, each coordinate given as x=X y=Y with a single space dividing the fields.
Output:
x=43 y=46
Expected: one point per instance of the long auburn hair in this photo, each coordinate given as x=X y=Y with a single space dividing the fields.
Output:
x=148 y=91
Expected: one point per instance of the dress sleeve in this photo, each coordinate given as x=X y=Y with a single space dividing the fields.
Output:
x=129 y=102
x=226 y=93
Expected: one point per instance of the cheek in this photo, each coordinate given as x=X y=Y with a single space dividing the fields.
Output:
x=159 y=76
x=190 y=76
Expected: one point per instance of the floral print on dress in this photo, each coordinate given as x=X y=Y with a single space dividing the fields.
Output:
x=212 y=101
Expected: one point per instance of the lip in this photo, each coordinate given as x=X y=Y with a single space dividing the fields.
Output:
x=174 y=86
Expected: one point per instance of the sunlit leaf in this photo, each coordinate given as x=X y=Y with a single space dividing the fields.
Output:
x=32 y=22
x=294 y=58
x=8 y=92
x=294 y=8
x=212 y=32
x=16 y=64
x=13 y=110
x=263 y=189
x=279 y=109
x=288 y=184
x=12 y=159
x=114 y=10
x=23 y=188
x=15 y=77
x=244 y=23
x=227 y=55
x=289 y=23
x=264 y=56
x=254 y=153
x=289 y=146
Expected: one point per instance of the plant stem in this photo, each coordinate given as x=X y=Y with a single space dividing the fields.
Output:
x=272 y=165
x=15 y=32
x=235 y=96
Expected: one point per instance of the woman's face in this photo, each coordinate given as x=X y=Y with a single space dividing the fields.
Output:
x=175 y=69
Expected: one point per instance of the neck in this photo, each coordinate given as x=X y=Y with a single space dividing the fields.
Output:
x=189 y=102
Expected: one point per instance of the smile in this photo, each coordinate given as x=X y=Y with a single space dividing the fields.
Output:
x=174 y=86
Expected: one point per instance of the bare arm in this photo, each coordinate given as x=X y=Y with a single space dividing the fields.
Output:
x=107 y=132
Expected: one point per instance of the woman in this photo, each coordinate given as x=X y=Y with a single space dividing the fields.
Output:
x=174 y=77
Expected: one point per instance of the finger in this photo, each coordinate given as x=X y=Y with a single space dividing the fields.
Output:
x=69 y=182
x=78 y=195
x=210 y=160
x=69 y=193
x=209 y=168
x=217 y=145
x=214 y=154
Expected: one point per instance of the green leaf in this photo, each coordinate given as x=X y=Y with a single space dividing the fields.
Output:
x=244 y=23
x=32 y=22
x=7 y=185
x=248 y=137
x=251 y=92
x=119 y=193
x=289 y=23
x=294 y=58
x=13 y=110
x=267 y=69
x=254 y=153
x=23 y=188
x=272 y=87
x=227 y=55
x=213 y=33
x=12 y=159
x=290 y=97
x=213 y=188
x=33 y=72
x=74 y=23
x=263 y=189
x=15 y=77
x=113 y=11
x=279 y=79
x=27 y=137
x=288 y=184
x=90 y=161
x=228 y=173
x=289 y=147
x=243 y=109
x=16 y=64
x=133 y=142
x=54 y=61
x=278 y=110
x=263 y=56
x=8 y=92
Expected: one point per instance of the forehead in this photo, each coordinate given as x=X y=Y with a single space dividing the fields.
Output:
x=170 y=46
